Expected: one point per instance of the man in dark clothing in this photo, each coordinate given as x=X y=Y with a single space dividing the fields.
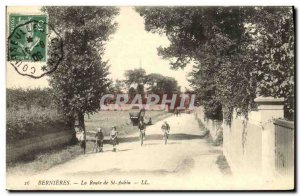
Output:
x=142 y=127
x=99 y=140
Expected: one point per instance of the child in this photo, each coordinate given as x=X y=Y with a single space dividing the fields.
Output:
x=114 y=137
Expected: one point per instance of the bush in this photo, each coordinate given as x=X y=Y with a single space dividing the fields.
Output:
x=18 y=98
x=213 y=110
x=30 y=113
x=25 y=123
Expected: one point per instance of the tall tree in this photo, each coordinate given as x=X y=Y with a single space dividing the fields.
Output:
x=135 y=77
x=272 y=52
x=160 y=84
x=81 y=77
x=132 y=93
x=140 y=89
x=227 y=44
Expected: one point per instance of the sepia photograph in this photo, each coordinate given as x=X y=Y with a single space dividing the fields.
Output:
x=150 y=98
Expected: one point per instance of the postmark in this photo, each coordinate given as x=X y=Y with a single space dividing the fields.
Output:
x=34 y=46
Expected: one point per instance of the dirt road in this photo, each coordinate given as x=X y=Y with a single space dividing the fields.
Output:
x=188 y=161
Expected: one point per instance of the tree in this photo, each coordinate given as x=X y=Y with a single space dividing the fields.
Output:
x=152 y=80
x=273 y=31
x=131 y=93
x=140 y=89
x=205 y=88
x=135 y=76
x=160 y=84
x=226 y=44
x=81 y=78
x=117 y=87
x=156 y=83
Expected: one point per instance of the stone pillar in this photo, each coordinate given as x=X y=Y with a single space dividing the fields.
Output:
x=269 y=108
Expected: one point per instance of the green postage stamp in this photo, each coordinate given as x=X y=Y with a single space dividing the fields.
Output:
x=27 y=38
x=34 y=47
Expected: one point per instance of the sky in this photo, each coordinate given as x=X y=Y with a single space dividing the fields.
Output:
x=129 y=47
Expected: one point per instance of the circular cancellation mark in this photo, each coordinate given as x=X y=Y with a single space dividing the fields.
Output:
x=34 y=48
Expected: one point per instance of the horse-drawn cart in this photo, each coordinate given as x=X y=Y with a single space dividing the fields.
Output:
x=135 y=117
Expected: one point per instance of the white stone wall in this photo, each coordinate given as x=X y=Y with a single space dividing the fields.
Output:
x=249 y=144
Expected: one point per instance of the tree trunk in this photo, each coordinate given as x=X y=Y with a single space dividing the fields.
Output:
x=71 y=127
x=82 y=125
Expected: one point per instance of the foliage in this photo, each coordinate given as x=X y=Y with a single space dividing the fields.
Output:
x=24 y=123
x=160 y=84
x=31 y=113
x=152 y=83
x=81 y=78
x=117 y=87
x=132 y=92
x=18 y=98
x=239 y=52
x=135 y=76
x=140 y=89
x=274 y=40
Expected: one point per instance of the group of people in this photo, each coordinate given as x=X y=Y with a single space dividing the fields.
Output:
x=99 y=136
x=99 y=139
x=142 y=127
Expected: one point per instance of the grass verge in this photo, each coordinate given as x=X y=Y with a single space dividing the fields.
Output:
x=217 y=142
x=203 y=128
x=45 y=160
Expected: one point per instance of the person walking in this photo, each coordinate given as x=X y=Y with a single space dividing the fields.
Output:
x=82 y=140
x=99 y=137
x=142 y=128
x=166 y=129
x=114 y=138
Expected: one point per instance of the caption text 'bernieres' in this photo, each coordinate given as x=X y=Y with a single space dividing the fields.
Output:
x=186 y=101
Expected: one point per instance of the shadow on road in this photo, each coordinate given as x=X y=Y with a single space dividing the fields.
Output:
x=124 y=150
x=104 y=151
x=176 y=136
x=152 y=137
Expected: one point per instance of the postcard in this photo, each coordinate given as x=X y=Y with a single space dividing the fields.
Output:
x=168 y=98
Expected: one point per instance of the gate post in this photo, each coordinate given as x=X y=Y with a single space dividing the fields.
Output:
x=269 y=108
